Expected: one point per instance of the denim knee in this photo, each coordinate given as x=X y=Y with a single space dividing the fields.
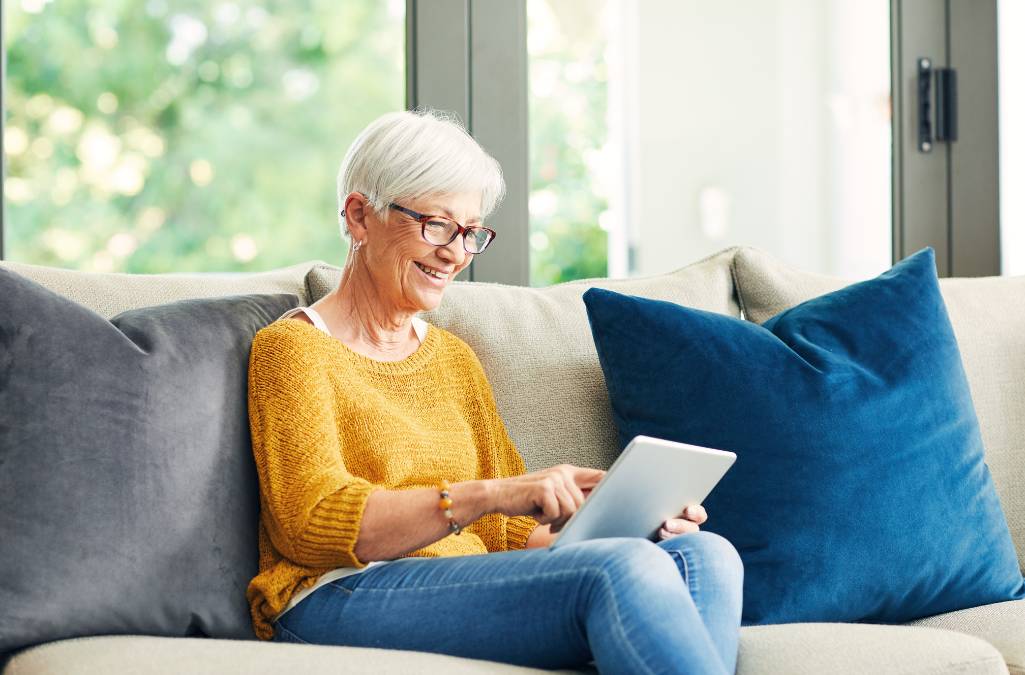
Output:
x=633 y=562
x=716 y=552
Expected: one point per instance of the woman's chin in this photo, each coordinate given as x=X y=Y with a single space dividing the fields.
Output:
x=426 y=293
x=429 y=299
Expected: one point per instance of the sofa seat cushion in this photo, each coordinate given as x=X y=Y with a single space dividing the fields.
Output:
x=109 y=294
x=536 y=348
x=1002 y=624
x=795 y=649
x=832 y=649
x=988 y=316
x=141 y=655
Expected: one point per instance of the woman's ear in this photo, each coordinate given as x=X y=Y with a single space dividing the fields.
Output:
x=356 y=212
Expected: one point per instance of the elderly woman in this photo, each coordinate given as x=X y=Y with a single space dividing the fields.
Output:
x=395 y=510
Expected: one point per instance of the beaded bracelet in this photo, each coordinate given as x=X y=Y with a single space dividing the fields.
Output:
x=445 y=504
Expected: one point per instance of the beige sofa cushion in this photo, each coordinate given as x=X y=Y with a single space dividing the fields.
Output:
x=110 y=294
x=988 y=315
x=836 y=648
x=1001 y=624
x=796 y=649
x=535 y=345
x=141 y=655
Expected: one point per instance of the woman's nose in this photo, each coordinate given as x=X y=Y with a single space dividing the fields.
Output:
x=453 y=252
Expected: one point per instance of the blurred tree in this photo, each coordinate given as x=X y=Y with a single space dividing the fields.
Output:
x=188 y=135
x=567 y=75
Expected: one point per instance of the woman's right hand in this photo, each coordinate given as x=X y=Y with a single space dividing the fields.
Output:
x=550 y=496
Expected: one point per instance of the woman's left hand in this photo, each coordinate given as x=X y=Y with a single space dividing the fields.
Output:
x=688 y=521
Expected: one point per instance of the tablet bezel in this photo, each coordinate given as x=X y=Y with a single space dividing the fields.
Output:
x=704 y=467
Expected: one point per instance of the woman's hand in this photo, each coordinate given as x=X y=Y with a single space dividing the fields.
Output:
x=550 y=496
x=688 y=521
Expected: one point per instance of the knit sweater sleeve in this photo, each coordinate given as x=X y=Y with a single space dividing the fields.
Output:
x=310 y=504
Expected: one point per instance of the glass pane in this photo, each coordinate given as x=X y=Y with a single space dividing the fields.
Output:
x=662 y=132
x=185 y=135
x=567 y=98
x=1011 y=23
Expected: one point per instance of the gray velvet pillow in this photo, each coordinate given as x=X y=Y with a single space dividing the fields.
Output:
x=128 y=495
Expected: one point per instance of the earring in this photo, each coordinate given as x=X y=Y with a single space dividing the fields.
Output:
x=357 y=246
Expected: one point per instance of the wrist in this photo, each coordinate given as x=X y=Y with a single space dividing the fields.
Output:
x=540 y=537
x=472 y=499
x=487 y=496
x=448 y=508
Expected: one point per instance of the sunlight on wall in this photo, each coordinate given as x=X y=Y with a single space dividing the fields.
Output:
x=1011 y=23
x=665 y=130
x=762 y=124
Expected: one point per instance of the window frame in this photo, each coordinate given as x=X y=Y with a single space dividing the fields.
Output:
x=476 y=67
x=947 y=198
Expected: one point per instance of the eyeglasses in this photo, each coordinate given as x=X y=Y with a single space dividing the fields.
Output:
x=442 y=231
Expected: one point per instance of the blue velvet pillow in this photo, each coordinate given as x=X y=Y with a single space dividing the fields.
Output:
x=860 y=492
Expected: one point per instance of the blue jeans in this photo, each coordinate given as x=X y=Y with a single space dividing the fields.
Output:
x=631 y=605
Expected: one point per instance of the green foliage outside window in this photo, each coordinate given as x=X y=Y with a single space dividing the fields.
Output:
x=180 y=135
x=188 y=135
x=568 y=133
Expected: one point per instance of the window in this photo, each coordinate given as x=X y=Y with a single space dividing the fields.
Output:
x=176 y=135
x=569 y=150
x=663 y=132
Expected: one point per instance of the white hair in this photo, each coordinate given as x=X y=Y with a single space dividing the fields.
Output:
x=414 y=154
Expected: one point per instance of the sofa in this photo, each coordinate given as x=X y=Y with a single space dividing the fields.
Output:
x=536 y=347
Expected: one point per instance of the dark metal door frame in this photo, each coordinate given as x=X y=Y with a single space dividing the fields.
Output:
x=947 y=197
x=470 y=57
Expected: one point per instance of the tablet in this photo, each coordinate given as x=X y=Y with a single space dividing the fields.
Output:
x=650 y=482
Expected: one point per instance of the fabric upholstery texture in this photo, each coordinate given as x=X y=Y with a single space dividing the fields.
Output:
x=845 y=649
x=983 y=325
x=109 y=294
x=860 y=492
x=128 y=494
x=797 y=649
x=1001 y=624
x=988 y=315
x=158 y=656
x=537 y=352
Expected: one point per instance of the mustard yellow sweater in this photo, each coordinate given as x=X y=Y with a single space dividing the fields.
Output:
x=329 y=426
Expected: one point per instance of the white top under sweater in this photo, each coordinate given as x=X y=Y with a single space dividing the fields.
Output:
x=420 y=328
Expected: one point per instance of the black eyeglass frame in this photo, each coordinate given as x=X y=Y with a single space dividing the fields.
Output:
x=462 y=231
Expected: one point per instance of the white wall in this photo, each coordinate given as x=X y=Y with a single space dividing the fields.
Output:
x=1011 y=24
x=755 y=122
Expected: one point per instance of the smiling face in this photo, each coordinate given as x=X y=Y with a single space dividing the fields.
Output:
x=410 y=274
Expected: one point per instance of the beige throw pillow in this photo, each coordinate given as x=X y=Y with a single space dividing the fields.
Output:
x=109 y=294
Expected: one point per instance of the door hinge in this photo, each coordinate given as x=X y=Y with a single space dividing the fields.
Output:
x=941 y=127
